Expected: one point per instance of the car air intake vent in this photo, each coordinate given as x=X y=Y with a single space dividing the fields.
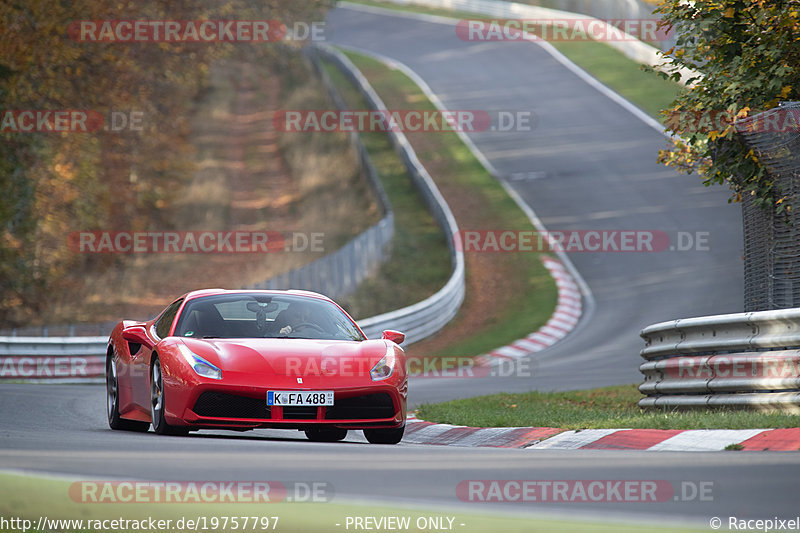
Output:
x=361 y=407
x=299 y=413
x=222 y=405
x=133 y=347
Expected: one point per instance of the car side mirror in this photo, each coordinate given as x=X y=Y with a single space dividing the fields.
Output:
x=137 y=335
x=394 y=336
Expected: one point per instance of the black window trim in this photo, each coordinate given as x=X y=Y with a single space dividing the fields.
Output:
x=154 y=331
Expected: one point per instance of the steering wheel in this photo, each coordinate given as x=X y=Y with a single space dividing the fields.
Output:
x=307 y=325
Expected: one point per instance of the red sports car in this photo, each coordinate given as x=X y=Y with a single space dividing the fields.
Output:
x=219 y=359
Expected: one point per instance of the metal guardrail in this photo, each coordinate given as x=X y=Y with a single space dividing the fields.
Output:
x=340 y=273
x=52 y=359
x=54 y=346
x=742 y=359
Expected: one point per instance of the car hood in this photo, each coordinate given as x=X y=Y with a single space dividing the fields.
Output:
x=290 y=357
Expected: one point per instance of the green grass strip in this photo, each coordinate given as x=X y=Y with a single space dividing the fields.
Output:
x=609 y=407
x=33 y=497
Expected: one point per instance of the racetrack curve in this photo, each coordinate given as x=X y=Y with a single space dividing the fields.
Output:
x=596 y=168
x=593 y=167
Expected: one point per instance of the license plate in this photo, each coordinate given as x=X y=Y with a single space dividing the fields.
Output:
x=302 y=398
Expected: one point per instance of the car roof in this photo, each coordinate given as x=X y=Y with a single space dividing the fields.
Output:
x=211 y=292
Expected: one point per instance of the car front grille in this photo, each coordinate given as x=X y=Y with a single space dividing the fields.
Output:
x=215 y=404
x=223 y=405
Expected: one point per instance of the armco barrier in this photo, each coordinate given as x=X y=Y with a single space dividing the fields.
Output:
x=53 y=359
x=743 y=359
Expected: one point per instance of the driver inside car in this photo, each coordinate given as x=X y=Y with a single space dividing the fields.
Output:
x=292 y=317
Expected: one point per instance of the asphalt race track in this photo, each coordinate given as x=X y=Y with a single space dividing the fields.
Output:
x=593 y=166
x=69 y=435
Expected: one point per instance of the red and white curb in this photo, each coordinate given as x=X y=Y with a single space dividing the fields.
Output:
x=564 y=319
x=422 y=432
x=648 y=439
x=545 y=438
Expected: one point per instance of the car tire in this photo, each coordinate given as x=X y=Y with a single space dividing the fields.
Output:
x=385 y=436
x=326 y=434
x=157 y=403
x=112 y=401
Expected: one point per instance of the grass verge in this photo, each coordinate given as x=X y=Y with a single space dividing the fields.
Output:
x=31 y=497
x=608 y=407
x=508 y=295
x=611 y=67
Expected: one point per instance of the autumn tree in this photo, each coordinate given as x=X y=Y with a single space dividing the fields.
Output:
x=748 y=52
x=54 y=183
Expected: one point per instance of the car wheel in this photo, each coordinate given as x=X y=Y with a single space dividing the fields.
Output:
x=112 y=401
x=157 y=406
x=385 y=436
x=326 y=434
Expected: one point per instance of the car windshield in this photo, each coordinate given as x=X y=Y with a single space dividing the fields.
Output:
x=254 y=315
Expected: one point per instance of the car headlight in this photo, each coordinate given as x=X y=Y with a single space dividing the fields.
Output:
x=385 y=367
x=198 y=364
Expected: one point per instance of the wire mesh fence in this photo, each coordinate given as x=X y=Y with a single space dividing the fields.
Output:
x=772 y=239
